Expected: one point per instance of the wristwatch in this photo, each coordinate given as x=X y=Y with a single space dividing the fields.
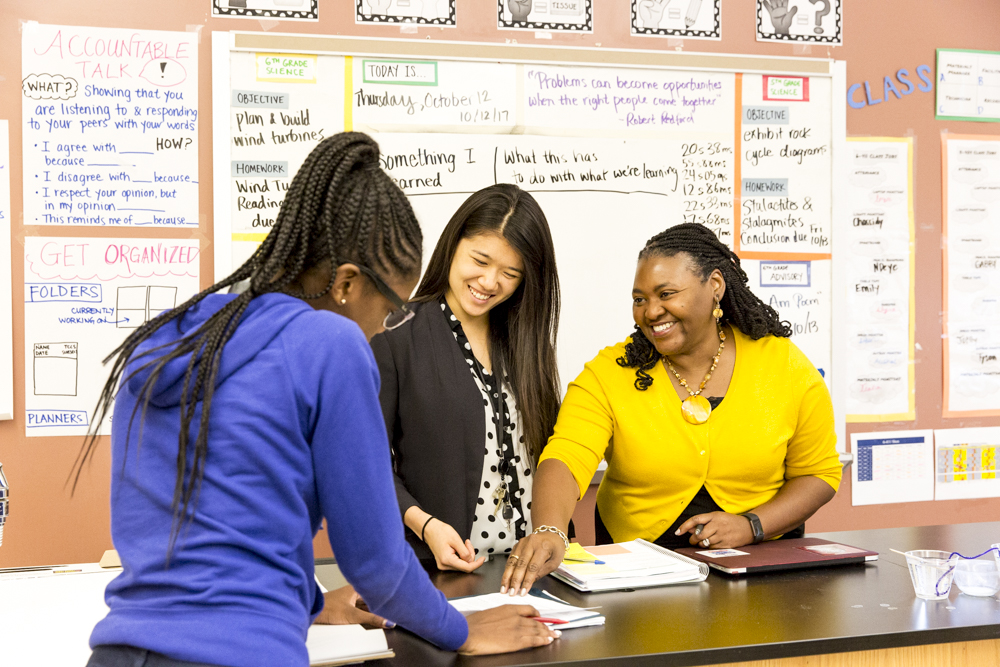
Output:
x=758 y=530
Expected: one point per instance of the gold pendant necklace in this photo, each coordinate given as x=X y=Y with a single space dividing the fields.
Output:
x=696 y=408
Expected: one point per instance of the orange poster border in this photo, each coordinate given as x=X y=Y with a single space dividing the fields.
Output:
x=946 y=411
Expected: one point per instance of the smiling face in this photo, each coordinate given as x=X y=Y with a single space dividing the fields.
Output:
x=673 y=306
x=484 y=273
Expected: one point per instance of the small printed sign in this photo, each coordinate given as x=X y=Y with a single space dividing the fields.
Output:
x=400 y=72
x=722 y=553
x=785 y=274
x=286 y=68
x=786 y=88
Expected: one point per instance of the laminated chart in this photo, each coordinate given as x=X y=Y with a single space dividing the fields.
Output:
x=553 y=16
x=880 y=280
x=110 y=126
x=601 y=148
x=892 y=467
x=971 y=216
x=82 y=298
x=965 y=463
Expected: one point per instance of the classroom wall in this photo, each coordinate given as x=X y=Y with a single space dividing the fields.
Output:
x=48 y=524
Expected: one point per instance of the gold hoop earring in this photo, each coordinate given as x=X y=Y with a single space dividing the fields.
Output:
x=717 y=313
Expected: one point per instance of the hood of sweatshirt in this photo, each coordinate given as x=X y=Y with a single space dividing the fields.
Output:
x=263 y=320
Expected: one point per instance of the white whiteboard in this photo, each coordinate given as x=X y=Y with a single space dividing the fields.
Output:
x=613 y=155
x=6 y=313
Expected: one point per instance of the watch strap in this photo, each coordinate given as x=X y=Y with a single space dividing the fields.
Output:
x=758 y=530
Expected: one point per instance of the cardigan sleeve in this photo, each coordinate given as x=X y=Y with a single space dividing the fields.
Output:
x=812 y=450
x=583 y=428
x=389 y=398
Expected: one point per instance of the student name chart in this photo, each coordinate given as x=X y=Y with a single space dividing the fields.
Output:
x=613 y=156
x=82 y=298
x=971 y=282
x=110 y=126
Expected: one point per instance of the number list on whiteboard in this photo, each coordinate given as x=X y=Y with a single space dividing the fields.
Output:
x=110 y=120
x=82 y=297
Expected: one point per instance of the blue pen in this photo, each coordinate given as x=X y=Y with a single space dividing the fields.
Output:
x=585 y=560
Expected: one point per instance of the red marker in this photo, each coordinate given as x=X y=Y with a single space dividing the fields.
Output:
x=543 y=619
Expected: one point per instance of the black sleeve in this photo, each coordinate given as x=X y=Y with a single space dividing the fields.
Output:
x=389 y=398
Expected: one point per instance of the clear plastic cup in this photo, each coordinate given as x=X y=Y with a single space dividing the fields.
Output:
x=931 y=572
x=979 y=577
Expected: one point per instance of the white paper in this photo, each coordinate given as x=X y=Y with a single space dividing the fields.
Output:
x=679 y=19
x=800 y=21
x=786 y=166
x=82 y=298
x=892 y=467
x=879 y=280
x=426 y=12
x=968 y=85
x=551 y=16
x=6 y=313
x=574 y=617
x=965 y=463
x=281 y=106
x=110 y=129
x=973 y=277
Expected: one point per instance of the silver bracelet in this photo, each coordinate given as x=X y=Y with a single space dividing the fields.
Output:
x=552 y=529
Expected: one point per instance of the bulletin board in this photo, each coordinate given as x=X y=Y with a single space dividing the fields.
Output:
x=614 y=151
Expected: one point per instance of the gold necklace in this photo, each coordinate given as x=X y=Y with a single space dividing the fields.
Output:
x=696 y=408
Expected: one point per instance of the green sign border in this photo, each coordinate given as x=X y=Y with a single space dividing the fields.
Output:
x=365 y=79
x=937 y=67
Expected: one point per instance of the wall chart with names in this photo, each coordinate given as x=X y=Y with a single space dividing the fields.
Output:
x=110 y=126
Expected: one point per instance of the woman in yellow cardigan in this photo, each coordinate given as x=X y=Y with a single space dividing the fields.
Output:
x=717 y=430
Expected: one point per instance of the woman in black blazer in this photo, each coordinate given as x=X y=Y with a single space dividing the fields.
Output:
x=464 y=445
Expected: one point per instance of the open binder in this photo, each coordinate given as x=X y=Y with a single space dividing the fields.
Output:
x=636 y=564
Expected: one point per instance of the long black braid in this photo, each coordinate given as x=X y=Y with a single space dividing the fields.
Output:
x=340 y=207
x=741 y=308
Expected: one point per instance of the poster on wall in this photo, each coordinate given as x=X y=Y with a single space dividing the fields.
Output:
x=278 y=10
x=880 y=275
x=965 y=463
x=82 y=298
x=971 y=280
x=892 y=467
x=800 y=21
x=110 y=129
x=6 y=315
x=968 y=85
x=426 y=12
x=680 y=19
x=553 y=16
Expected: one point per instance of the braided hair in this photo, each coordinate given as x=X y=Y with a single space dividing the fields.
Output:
x=340 y=207
x=741 y=308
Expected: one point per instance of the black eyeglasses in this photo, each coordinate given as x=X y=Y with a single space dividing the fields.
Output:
x=402 y=314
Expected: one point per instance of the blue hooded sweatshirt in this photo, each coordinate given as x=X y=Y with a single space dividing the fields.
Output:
x=296 y=434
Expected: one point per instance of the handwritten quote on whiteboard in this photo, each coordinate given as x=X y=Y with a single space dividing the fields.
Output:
x=110 y=126
x=82 y=298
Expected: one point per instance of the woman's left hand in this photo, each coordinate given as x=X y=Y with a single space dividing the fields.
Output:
x=721 y=530
x=341 y=608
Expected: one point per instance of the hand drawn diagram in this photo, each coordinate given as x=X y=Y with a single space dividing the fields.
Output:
x=680 y=19
x=800 y=21
x=82 y=297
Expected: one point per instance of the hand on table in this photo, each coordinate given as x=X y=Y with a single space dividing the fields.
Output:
x=721 y=529
x=341 y=608
x=504 y=630
x=449 y=551
x=533 y=557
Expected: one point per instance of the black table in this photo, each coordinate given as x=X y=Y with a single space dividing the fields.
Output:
x=774 y=615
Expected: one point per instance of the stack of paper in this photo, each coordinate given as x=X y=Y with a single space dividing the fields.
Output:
x=563 y=616
x=345 y=644
x=637 y=564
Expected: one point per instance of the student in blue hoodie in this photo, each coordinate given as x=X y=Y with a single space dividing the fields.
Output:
x=242 y=420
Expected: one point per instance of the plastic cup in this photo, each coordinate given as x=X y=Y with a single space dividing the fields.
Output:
x=979 y=578
x=931 y=572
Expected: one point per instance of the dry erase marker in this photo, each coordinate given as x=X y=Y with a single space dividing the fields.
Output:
x=545 y=619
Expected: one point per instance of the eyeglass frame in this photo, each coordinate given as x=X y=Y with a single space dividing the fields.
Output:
x=389 y=294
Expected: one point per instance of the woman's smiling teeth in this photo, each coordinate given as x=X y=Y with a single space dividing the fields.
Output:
x=662 y=328
x=479 y=295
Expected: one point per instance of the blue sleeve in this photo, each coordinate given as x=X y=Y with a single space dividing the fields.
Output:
x=357 y=496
